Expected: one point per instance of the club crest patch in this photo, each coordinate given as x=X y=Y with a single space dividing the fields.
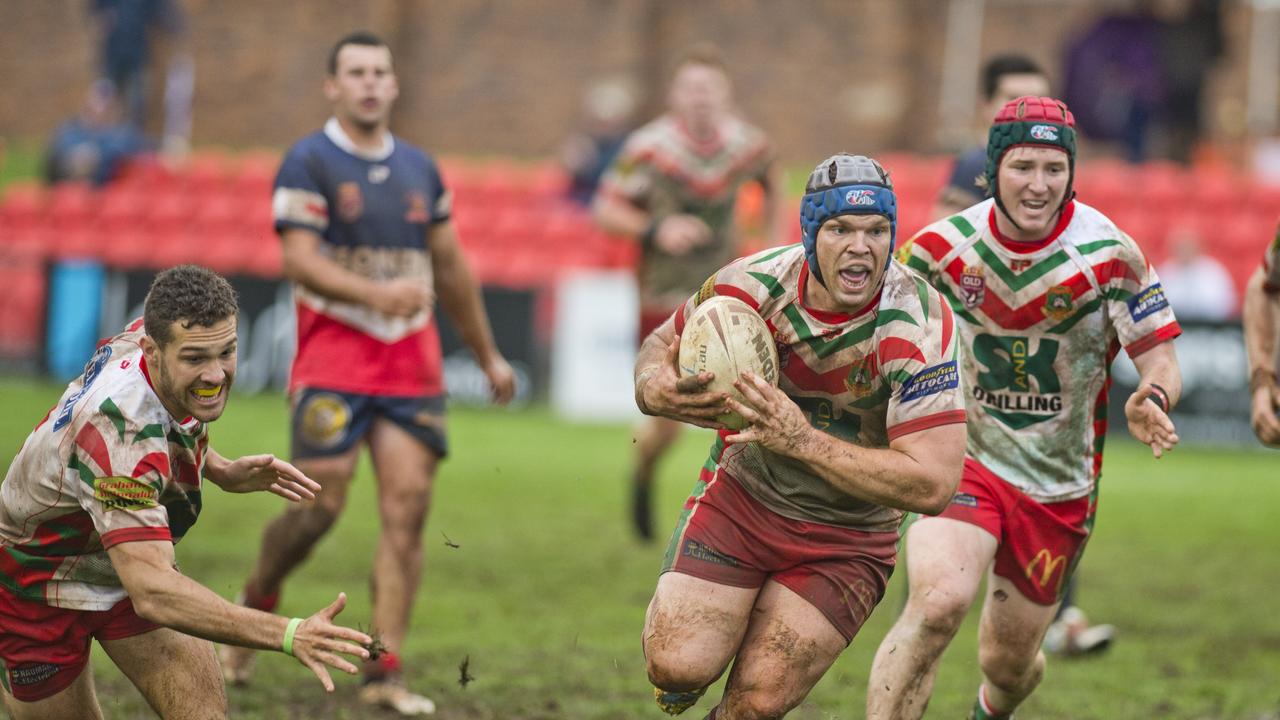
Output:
x=860 y=380
x=973 y=286
x=1059 y=303
x=324 y=420
x=350 y=203
x=417 y=212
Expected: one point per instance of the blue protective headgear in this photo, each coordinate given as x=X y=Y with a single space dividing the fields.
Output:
x=845 y=185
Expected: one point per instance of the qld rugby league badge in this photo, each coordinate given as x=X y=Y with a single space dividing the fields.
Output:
x=973 y=286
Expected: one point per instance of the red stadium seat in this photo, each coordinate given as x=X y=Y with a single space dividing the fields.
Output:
x=71 y=205
x=22 y=206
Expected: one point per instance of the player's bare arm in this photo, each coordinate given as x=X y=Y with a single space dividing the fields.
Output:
x=917 y=472
x=459 y=295
x=256 y=473
x=165 y=596
x=676 y=233
x=1261 y=317
x=1148 y=408
x=661 y=391
x=306 y=265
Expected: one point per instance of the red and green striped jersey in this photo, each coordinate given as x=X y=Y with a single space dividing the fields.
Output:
x=664 y=170
x=1271 y=266
x=107 y=465
x=867 y=378
x=1041 y=323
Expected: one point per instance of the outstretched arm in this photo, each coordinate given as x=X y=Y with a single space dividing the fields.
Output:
x=1261 y=320
x=1159 y=387
x=460 y=297
x=918 y=472
x=166 y=597
x=254 y=473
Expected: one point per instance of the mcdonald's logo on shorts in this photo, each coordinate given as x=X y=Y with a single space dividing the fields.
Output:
x=1048 y=565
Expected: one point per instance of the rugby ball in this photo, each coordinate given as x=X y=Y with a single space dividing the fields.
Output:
x=724 y=335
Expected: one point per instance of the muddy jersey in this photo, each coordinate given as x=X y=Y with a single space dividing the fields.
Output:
x=107 y=465
x=372 y=211
x=1041 y=323
x=664 y=170
x=1271 y=266
x=867 y=378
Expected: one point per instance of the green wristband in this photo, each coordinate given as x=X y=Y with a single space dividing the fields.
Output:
x=287 y=646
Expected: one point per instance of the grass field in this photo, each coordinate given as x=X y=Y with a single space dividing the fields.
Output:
x=546 y=593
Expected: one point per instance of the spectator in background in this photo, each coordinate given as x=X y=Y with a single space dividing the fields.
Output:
x=1004 y=78
x=125 y=32
x=608 y=106
x=93 y=145
x=1261 y=328
x=1197 y=285
x=673 y=187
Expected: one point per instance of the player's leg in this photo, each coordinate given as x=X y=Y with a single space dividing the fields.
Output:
x=692 y=629
x=327 y=428
x=77 y=700
x=946 y=560
x=406 y=442
x=654 y=437
x=177 y=674
x=789 y=645
x=1009 y=653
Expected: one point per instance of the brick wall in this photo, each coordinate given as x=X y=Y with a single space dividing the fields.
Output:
x=505 y=76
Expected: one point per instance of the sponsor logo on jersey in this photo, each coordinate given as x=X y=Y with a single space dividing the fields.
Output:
x=91 y=371
x=417 y=212
x=931 y=381
x=378 y=174
x=903 y=253
x=122 y=493
x=859 y=380
x=1044 y=566
x=860 y=197
x=965 y=499
x=1047 y=133
x=324 y=420
x=1148 y=302
x=1059 y=303
x=1019 y=386
x=349 y=201
x=973 y=286
x=706 y=292
x=1019 y=264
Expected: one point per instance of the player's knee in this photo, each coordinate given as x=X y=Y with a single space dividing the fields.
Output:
x=938 y=611
x=677 y=671
x=1011 y=668
x=757 y=703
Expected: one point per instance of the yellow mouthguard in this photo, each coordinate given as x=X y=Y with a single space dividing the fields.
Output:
x=208 y=392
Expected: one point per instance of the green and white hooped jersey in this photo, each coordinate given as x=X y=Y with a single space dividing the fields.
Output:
x=1041 y=323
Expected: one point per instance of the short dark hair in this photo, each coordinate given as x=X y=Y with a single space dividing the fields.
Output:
x=189 y=294
x=702 y=53
x=359 y=37
x=1001 y=65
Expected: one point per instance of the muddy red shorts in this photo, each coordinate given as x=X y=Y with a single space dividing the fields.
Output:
x=650 y=320
x=726 y=536
x=1040 y=543
x=44 y=648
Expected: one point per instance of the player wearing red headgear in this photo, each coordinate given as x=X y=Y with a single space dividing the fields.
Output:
x=1046 y=290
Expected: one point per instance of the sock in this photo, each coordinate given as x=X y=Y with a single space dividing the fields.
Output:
x=265 y=603
x=674 y=703
x=982 y=709
x=386 y=665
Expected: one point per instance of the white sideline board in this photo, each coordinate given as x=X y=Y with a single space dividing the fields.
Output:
x=593 y=346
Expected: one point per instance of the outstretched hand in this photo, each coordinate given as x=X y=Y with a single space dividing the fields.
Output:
x=254 y=473
x=1265 y=414
x=1148 y=423
x=773 y=419
x=662 y=391
x=318 y=641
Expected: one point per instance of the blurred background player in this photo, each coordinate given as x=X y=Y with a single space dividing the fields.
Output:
x=1046 y=290
x=788 y=540
x=1005 y=78
x=94 y=145
x=1198 y=285
x=608 y=108
x=93 y=504
x=368 y=243
x=673 y=188
x=1261 y=328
